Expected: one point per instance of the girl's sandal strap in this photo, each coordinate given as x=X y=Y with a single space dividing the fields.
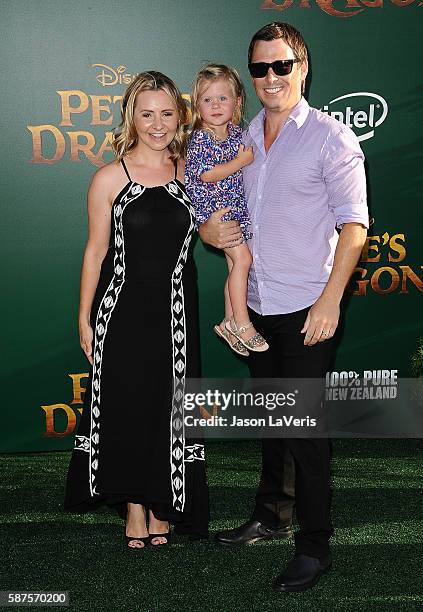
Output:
x=231 y=326
x=242 y=328
x=237 y=346
x=256 y=341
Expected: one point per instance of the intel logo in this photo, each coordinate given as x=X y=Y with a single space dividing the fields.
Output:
x=366 y=112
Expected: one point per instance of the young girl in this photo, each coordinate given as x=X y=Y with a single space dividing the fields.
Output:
x=213 y=180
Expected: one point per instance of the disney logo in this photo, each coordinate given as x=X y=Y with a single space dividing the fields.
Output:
x=371 y=114
x=109 y=76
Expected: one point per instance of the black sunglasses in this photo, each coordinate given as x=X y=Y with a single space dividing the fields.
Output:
x=258 y=70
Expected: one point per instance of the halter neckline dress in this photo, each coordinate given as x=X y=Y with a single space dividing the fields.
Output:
x=131 y=444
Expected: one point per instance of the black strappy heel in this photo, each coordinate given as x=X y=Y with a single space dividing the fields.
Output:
x=145 y=541
x=160 y=535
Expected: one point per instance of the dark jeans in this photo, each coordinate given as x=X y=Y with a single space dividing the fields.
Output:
x=294 y=471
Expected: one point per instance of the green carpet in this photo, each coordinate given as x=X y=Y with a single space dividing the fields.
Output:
x=377 y=546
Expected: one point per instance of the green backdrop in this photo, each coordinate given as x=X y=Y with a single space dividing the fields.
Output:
x=366 y=58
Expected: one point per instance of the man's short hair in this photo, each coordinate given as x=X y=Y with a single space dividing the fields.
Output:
x=285 y=31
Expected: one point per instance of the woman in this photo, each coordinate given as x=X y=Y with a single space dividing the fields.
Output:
x=138 y=326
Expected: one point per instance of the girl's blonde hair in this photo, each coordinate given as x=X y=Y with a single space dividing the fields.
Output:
x=211 y=72
x=126 y=138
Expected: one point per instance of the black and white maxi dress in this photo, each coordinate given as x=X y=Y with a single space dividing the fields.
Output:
x=131 y=444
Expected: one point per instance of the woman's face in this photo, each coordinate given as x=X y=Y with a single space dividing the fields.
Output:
x=155 y=119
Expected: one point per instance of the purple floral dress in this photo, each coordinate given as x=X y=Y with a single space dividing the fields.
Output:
x=204 y=153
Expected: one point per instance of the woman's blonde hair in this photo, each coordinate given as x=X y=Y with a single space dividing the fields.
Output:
x=211 y=72
x=126 y=137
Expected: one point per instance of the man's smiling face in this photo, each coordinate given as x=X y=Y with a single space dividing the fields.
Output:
x=278 y=93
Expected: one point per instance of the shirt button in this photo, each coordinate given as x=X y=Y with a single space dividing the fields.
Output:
x=259 y=197
x=256 y=227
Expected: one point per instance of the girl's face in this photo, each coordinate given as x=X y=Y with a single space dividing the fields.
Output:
x=155 y=119
x=216 y=103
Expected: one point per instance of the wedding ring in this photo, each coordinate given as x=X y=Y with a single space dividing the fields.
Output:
x=325 y=334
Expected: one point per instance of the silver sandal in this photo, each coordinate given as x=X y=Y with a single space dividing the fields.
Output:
x=237 y=347
x=257 y=343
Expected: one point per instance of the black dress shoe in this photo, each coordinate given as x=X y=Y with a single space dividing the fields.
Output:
x=302 y=573
x=251 y=532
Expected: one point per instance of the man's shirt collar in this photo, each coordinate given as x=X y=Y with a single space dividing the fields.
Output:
x=298 y=114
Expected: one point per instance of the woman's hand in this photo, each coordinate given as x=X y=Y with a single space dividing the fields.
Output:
x=86 y=339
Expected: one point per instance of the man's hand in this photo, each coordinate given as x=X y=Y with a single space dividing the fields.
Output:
x=321 y=322
x=323 y=316
x=220 y=234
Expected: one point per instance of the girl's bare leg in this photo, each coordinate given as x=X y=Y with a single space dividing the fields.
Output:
x=228 y=305
x=135 y=525
x=241 y=259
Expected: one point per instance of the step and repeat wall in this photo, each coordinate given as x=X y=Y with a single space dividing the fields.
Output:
x=65 y=68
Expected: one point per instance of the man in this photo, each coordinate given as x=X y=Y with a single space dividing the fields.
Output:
x=307 y=178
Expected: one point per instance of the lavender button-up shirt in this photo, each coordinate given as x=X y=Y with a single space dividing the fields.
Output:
x=310 y=181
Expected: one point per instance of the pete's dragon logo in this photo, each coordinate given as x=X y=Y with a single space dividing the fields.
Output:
x=363 y=112
x=109 y=76
x=353 y=7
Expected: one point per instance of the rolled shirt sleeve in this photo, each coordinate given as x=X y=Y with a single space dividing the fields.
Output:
x=345 y=178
